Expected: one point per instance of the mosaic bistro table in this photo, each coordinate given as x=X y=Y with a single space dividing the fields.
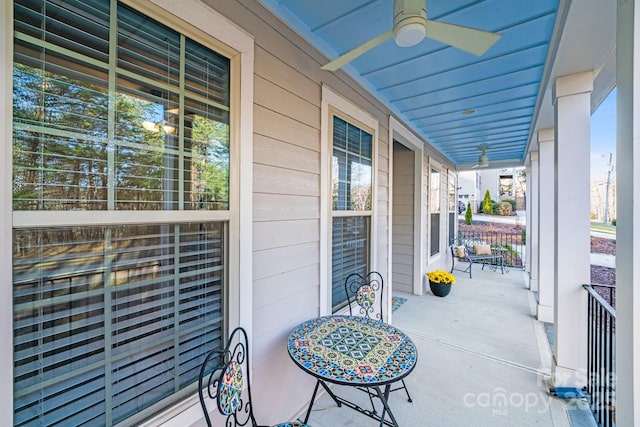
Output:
x=353 y=351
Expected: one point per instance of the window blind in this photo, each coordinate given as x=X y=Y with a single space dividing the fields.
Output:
x=112 y=314
x=350 y=253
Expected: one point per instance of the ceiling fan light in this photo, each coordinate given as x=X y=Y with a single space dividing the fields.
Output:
x=409 y=34
x=483 y=160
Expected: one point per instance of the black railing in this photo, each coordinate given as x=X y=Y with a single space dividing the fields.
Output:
x=601 y=359
x=509 y=244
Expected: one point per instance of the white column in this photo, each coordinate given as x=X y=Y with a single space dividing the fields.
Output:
x=528 y=196
x=546 y=228
x=628 y=219
x=533 y=224
x=572 y=101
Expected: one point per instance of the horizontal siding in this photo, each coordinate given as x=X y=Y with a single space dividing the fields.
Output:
x=278 y=288
x=403 y=210
x=277 y=234
x=278 y=207
x=403 y=218
x=272 y=152
x=269 y=179
x=282 y=74
x=274 y=125
x=273 y=262
x=400 y=258
x=297 y=311
x=400 y=281
x=403 y=229
x=403 y=239
x=275 y=98
x=404 y=269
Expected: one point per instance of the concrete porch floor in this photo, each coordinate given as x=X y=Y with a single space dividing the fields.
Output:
x=483 y=360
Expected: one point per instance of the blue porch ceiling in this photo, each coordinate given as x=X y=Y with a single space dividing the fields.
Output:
x=430 y=84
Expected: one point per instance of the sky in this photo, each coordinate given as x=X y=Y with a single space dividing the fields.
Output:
x=603 y=138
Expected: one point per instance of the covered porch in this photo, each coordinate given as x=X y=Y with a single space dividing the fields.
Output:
x=287 y=215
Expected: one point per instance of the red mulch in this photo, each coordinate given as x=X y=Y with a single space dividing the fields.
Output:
x=603 y=275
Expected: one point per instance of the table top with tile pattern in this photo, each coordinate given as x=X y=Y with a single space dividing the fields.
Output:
x=352 y=350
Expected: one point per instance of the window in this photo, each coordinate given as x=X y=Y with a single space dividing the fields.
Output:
x=351 y=196
x=506 y=185
x=117 y=113
x=434 y=210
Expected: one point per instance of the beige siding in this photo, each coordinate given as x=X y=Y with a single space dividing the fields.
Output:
x=403 y=218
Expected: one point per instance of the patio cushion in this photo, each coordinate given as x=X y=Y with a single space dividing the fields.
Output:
x=460 y=251
x=482 y=249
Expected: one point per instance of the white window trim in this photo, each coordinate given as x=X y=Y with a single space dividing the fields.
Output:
x=239 y=47
x=399 y=132
x=333 y=103
x=451 y=174
x=435 y=258
x=6 y=290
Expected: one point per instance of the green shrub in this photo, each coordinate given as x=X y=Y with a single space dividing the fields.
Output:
x=512 y=203
x=487 y=206
x=495 y=208
x=504 y=208
x=468 y=215
x=613 y=222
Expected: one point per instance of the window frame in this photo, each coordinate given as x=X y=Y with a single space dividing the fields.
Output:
x=335 y=105
x=437 y=167
x=203 y=25
x=452 y=201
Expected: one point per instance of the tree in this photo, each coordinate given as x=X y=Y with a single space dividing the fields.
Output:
x=468 y=215
x=487 y=206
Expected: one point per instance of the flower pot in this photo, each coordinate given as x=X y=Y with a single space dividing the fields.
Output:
x=440 y=289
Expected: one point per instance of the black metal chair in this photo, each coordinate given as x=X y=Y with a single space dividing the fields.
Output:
x=364 y=296
x=224 y=379
x=462 y=250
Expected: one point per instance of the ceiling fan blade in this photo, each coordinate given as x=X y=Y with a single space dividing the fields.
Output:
x=468 y=39
x=354 y=53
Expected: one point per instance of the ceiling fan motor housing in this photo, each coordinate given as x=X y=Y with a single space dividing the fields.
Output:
x=483 y=161
x=409 y=22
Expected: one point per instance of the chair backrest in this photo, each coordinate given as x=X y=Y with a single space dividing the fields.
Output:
x=224 y=382
x=366 y=292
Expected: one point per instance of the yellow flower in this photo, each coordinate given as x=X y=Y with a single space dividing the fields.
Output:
x=441 y=276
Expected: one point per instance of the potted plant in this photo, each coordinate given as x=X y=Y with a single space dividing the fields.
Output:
x=440 y=282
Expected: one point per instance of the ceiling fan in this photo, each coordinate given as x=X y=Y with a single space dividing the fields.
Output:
x=483 y=160
x=411 y=26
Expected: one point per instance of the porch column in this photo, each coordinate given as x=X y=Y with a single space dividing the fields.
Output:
x=533 y=224
x=546 y=229
x=628 y=220
x=529 y=196
x=572 y=102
